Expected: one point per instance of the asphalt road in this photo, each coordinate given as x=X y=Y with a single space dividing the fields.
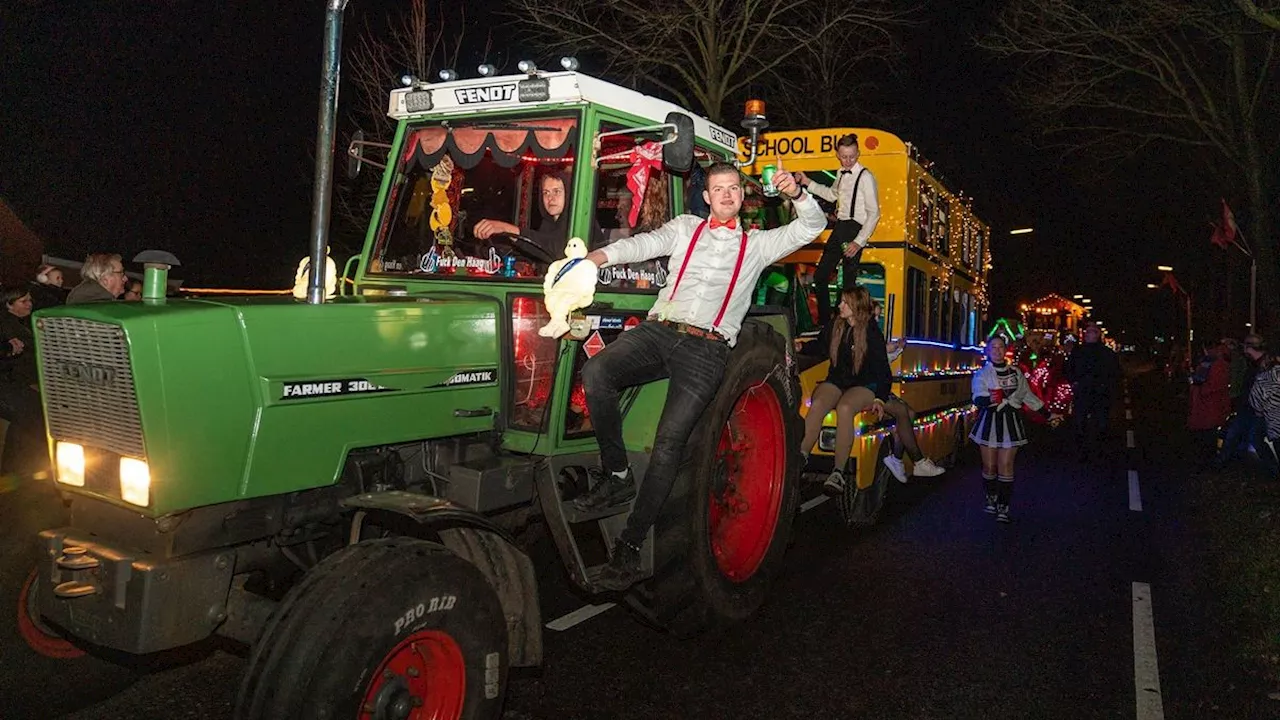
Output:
x=938 y=612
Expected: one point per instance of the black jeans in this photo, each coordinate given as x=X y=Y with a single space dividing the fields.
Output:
x=1091 y=414
x=649 y=352
x=832 y=254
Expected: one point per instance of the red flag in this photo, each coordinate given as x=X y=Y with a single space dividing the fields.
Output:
x=1225 y=234
x=1229 y=226
x=1172 y=282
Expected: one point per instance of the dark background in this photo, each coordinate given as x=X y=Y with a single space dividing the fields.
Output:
x=191 y=127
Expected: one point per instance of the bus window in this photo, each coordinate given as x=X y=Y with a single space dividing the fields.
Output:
x=934 y=330
x=925 y=220
x=943 y=227
x=957 y=316
x=917 y=304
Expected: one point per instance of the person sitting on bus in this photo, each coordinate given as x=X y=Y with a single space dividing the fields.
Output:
x=904 y=430
x=859 y=377
x=857 y=212
x=552 y=235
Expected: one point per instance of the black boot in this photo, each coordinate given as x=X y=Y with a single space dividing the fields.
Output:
x=607 y=491
x=623 y=569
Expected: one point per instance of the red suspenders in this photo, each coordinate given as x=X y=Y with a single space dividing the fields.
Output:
x=737 y=268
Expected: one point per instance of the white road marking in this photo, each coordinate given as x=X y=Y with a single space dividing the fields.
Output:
x=1135 y=493
x=1126 y=399
x=1128 y=414
x=1146 y=667
x=1128 y=438
x=582 y=614
x=815 y=502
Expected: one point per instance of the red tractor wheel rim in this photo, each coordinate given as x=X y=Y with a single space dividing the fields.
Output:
x=424 y=677
x=34 y=633
x=747 y=499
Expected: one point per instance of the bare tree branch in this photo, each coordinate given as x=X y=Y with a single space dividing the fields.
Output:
x=702 y=53
x=1268 y=18
x=427 y=33
x=1136 y=73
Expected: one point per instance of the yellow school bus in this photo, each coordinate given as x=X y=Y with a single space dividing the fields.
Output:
x=926 y=263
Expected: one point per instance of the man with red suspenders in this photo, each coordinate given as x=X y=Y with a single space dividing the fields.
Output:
x=687 y=339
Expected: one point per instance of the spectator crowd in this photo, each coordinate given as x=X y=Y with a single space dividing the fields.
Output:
x=103 y=280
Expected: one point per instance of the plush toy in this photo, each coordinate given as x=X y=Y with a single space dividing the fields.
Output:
x=570 y=284
x=303 y=276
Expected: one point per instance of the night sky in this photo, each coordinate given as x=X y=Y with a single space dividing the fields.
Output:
x=190 y=127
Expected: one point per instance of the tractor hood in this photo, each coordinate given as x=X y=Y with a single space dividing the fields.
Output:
x=232 y=399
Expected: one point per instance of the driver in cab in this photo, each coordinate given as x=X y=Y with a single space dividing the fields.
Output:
x=553 y=233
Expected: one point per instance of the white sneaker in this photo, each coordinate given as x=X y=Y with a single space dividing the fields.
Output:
x=926 y=468
x=834 y=484
x=895 y=466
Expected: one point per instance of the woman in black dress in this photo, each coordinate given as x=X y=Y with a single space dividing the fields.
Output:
x=859 y=378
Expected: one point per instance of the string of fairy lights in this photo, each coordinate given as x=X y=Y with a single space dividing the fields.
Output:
x=923 y=423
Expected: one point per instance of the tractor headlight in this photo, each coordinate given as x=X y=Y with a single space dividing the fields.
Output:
x=135 y=481
x=70 y=459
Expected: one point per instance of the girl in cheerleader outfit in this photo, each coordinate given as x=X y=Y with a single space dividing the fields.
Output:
x=1000 y=391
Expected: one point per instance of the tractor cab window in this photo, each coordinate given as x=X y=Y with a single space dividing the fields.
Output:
x=633 y=195
x=480 y=200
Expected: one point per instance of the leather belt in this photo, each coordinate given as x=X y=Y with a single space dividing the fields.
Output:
x=694 y=331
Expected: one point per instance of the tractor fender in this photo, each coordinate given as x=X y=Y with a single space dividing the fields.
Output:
x=491 y=549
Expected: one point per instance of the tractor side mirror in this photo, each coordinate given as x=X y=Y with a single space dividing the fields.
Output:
x=353 y=154
x=356 y=159
x=677 y=149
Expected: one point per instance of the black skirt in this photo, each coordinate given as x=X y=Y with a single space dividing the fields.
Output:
x=1003 y=428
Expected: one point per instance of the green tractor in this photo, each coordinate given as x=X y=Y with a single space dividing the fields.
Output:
x=341 y=481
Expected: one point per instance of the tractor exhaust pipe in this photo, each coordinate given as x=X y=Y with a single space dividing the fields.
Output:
x=327 y=121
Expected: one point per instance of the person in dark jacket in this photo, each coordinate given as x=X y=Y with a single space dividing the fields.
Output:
x=46 y=290
x=1093 y=371
x=104 y=278
x=859 y=378
x=553 y=233
x=19 y=399
x=1243 y=429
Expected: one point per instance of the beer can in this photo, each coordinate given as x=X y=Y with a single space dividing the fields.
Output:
x=766 y=179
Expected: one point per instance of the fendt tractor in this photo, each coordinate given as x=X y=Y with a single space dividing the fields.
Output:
x=339 y=481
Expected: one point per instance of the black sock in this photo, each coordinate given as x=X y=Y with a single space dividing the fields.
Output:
x=1004 y=493
x=989 y=485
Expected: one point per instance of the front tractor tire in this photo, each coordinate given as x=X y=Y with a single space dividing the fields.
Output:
x=391 y=628
x=722 y=534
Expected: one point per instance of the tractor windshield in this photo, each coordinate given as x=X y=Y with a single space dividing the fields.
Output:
x=480 y=200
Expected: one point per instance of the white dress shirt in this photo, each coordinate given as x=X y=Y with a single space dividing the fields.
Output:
x=706 y=279
x=863 y=209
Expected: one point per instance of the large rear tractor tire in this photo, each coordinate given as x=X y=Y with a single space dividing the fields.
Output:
x=722 y=534
x=391 y=628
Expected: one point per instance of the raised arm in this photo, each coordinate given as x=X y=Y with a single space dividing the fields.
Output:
x=826 y=192
x=645 y=246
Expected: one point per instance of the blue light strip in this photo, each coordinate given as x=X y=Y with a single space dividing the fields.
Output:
x=934 y=343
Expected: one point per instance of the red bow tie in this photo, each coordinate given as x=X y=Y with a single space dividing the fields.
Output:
x=731 y=223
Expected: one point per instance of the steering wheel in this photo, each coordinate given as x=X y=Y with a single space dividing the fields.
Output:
x=522 y=246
